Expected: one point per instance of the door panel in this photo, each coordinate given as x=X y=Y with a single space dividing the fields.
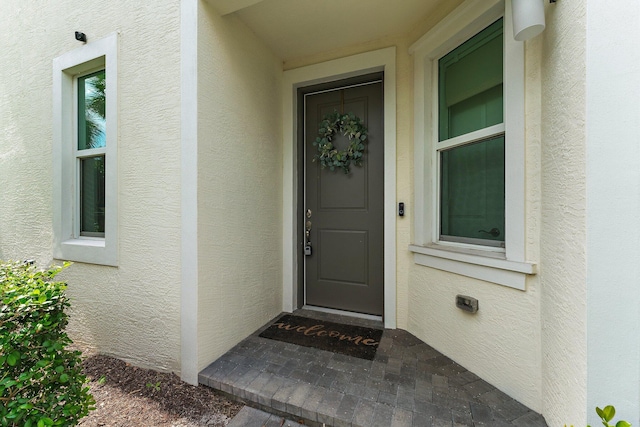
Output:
x=345 y=268
x=334 y=266
x=355 y=198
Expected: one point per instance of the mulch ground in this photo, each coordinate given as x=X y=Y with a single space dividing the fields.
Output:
x=129 y=396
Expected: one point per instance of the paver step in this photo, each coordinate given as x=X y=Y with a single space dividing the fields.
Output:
x=251 y=417
x=407 y=384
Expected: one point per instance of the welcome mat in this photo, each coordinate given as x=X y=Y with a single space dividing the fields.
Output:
x=356 y=341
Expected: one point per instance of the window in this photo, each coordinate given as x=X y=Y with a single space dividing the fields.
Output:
x=90 y=153
x=469 y=146
x=85 y=160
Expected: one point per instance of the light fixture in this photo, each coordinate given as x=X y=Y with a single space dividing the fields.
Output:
x=81 y=37
x=528 y=18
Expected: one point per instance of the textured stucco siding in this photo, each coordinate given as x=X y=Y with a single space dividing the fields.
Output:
x=131 y=311
x=563 y=227
x=239 y=184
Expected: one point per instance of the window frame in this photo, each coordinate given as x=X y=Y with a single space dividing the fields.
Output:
x=506 y=266
x=68 y=242
x=85 y=153
x=443 y=145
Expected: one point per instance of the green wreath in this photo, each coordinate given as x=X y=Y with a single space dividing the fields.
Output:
x=350 y=126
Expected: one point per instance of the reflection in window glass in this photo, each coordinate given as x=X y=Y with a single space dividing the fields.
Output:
x=92 y=196
x=91 y=111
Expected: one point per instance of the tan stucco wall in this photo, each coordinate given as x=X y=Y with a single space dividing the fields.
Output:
x=563 y=226
x=131 y=311
x=239 y=184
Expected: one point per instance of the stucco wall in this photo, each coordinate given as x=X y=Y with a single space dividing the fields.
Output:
x=563 y=227
x=131 y=311
x=239 y=184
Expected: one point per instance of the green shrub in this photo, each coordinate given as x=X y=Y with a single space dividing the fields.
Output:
x=607 y=415
x=41 y=382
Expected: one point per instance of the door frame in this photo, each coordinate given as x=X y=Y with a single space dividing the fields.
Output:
x=339 y=69
x=303 y=92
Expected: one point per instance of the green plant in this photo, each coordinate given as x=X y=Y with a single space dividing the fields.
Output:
x=41 y=382
x=607 y=415
x=155 y=386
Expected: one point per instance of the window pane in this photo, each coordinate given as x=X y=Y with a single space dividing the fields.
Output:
x=91 y=111
x=92 y=192
x=470 y=95
x=472 y=191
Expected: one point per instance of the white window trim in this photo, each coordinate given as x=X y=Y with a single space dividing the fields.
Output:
x=510 y=267
x=67 y=244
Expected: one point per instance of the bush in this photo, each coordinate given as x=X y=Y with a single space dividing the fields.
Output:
x=41 y=381
x=607 y=415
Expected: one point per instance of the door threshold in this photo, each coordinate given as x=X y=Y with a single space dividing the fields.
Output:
x=343 y=313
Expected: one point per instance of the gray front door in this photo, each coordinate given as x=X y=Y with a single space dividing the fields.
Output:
x=345 y=268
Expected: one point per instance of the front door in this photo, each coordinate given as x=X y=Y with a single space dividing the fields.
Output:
x=344 y=212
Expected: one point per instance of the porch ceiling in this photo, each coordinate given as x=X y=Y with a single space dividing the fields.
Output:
x=300 y=28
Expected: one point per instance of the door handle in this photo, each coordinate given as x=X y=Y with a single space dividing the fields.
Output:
x=307 y=225
x=307 y=234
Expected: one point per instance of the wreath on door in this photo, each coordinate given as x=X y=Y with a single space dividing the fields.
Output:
x=348 y=125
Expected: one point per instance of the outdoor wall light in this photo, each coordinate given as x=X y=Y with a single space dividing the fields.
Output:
x=528 y=18
x=81 y=37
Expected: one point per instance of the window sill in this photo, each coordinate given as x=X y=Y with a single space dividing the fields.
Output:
x=91 y=250
x=488 y=267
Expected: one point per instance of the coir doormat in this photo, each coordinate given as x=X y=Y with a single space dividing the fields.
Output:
x=355 y=341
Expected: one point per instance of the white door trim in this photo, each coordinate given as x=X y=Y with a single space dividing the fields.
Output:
x=368 y=62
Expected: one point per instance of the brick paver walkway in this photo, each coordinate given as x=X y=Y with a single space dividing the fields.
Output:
x=407 y=384
x=251 y=417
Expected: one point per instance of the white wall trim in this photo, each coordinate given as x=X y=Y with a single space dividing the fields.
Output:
x=612 y=65
x=464 y=15
x=377 y=60
x=189 y=191
x=507 y=273
x=67 y=244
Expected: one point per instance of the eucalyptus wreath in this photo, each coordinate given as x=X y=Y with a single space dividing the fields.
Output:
x=348 y=125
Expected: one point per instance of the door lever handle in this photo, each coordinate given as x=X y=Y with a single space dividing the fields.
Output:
x=493 y=232
x=307 y=233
